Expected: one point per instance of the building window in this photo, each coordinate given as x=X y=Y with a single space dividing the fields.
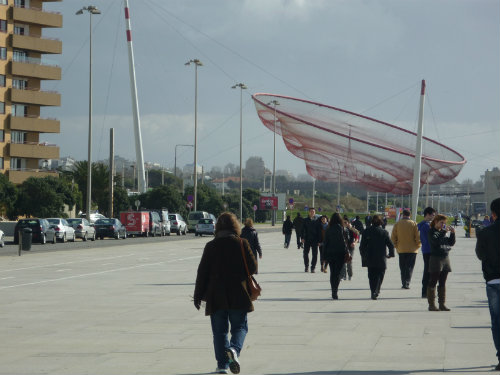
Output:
x=20 y=84
x=3 y=2
x=19 y=30
x=20 y=110
x=3 y=26
x=1 y=162
x=19 y=55
x=17 y=136
x=2 y=80
x=17 y=163
x=2 y=108
x=2 y=136
x=3 y=53
x=22 y=3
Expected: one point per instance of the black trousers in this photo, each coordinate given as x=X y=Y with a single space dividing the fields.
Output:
x=299 y=238
x=376 y=277
x=314 y=249
x=406 y=264
x=336 y=266
x=425 y=276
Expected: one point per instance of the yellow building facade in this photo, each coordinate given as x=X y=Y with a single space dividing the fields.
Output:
x=24 y=64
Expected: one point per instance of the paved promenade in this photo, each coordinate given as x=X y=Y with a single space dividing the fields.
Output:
x=127 y=310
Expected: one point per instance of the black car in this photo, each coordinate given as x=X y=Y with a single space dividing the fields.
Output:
x=40 y=230
x=110 y=228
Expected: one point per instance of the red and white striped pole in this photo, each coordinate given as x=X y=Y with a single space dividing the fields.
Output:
x=135 y=106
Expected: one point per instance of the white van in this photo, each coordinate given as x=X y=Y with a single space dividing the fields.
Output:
x=194 y=217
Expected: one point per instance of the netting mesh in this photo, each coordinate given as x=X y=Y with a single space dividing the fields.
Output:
x=377 y=155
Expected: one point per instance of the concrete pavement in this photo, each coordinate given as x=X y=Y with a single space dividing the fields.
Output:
x=127 y=310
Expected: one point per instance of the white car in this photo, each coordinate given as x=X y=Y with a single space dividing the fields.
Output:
x=2 y=238
x=64 y=231
x=205 y=226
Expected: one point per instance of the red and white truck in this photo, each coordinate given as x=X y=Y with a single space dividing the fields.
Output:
x=136 y=222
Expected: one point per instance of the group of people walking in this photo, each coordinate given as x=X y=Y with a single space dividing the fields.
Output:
x=228 y=260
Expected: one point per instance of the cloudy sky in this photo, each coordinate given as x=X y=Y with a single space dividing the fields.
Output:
x=363 y=56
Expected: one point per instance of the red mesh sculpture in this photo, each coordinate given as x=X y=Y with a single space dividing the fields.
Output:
x=365 y=151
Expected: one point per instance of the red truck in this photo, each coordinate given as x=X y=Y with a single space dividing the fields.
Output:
x=136 y=222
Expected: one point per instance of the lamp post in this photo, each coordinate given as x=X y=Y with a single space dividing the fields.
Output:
x=196 y=63
x=175 y=158
x=91 y=9
x=242 y=87
x=274 y=103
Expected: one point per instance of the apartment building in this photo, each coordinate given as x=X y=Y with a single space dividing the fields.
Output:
x=24 y=64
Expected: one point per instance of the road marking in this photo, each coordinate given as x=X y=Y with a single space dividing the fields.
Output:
x=64 y=270
x=5 y=278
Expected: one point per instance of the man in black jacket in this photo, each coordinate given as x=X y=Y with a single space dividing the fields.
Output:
x=356 y=223
x=488 y=251
x=310 y=239
x=298 y=224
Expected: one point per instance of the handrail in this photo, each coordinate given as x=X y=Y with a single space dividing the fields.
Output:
x=43 y=144
x=35 y=8
x=35 y=117
x=36 y=90
x=38 y=37
x=32 y=60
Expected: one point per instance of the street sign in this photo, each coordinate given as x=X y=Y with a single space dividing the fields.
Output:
x=291 y=206
x=319 y=209
x=137 y=204
x=255 y=207
x=290 y=201
x=306 y=208
x=190 y=198
x=189 y=205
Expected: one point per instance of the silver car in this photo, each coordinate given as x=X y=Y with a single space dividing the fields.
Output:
x=64 y=231
x=83 y=229
x=177 y=224
x=2 y=238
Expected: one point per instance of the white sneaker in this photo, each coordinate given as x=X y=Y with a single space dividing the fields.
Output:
x=220 y=371
x=234 y=364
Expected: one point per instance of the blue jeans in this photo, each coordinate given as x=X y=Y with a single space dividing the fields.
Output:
x=220 y=327
x=493 y=293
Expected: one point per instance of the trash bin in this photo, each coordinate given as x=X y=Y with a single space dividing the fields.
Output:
x=27 y=239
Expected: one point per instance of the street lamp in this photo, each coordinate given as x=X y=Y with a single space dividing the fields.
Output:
x=91 y=9
x=175 y=158
x=242 y=87
x=274 y=103
x=196 y=63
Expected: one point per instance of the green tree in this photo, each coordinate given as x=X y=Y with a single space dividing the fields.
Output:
x=44 y=197
x=8 y=196
x=163 y=196
x=120 y=201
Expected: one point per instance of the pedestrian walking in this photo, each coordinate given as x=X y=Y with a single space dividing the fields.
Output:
x=373 y=250
x=250 y=234
x=310 y=239
x=406 y=240
x=423 y=229
x=350 y=239
x=384 y=222
x=358 y=224
x=486 y=221
x=368 y=220
x=287 y=230
x=322 y=230
x=441 y=239
x=298 y=224
x=488 y=251
x=219 y=283
x=336 y=253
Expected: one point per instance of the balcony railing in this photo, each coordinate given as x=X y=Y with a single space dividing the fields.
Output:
x=34 y=60
x=35 y=8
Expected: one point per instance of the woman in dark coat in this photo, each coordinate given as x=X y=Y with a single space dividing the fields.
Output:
x=439 y=262
x=221 y=283
x=373 y=250
x=250 y=234
x=335 y=251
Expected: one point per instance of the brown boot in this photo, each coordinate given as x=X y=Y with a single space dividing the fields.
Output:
x=431 y=298
x=442 y=298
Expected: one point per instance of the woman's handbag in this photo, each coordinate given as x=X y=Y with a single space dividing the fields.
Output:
x=253 y=286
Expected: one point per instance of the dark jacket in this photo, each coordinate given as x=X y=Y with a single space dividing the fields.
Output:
x=287 y=227
x=250 y=234
x=311 y=231
x=358 y=225
x=373 y=247
x=221 y=278
x=298 y=224
x=334 y=244
x=368 y=221
x=488 y=250
x=440 y=244
x=349 y=238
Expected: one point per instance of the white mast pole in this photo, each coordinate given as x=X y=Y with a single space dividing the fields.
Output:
x=141 y=180
x=418 y=156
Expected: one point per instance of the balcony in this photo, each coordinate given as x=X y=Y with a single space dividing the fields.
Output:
x=36 y=43
x=33 y=67
x=37 y=97
x=34 y=151
x=18 y=176
x=37 y=16
x=35 y=124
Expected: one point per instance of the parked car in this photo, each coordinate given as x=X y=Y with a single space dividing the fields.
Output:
x=41 y=230
x=2 y=238
x=94 y=216
x=155 y=227
x=110 y=228
x=83 y=229
x=194 y=217
x=205 y=226
x=64 y=231
x=177 y=224
x=164 y=221
x=136 y=222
